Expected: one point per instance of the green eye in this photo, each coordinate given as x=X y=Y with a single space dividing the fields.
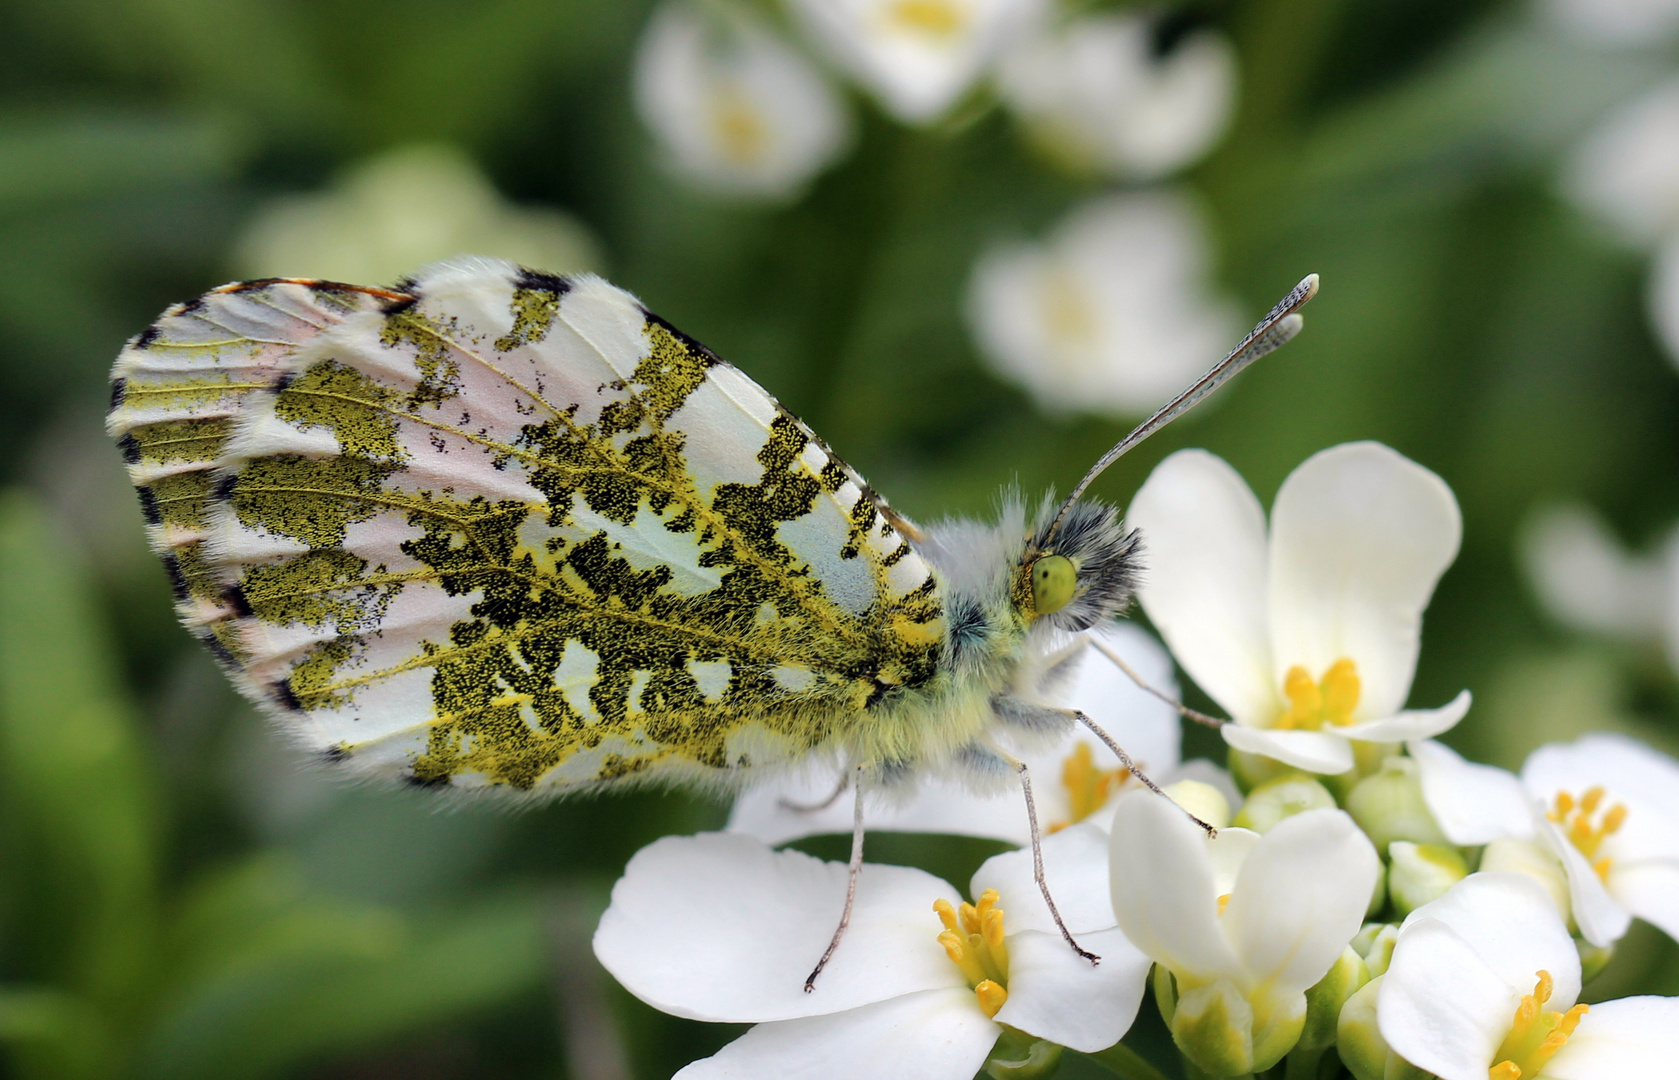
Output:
x=1053 y=579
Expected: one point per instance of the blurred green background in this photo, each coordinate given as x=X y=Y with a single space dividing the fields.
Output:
x=179 y=896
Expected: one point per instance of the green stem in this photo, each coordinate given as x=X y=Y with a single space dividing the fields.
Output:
x=1123 y=1061
x=1303 y=1063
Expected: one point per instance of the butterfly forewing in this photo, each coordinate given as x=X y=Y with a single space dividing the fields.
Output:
x=497 y=527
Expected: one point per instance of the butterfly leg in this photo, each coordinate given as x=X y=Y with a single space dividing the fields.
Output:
x=854 y=870
x=1131 y=766
x=1183 y=710
x=812 y=808
x=1038 y=859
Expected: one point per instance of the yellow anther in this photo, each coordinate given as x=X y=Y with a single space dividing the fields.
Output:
x=1565 y=804
x=1313 y=703
x=1589 y=801
x=991 y=996
x=963 y=957
x=1505 y=1070
x=1536 y=1035
x=1575 y=816
x=1087 y=786
x=936 y=18
x=1542 y=990
x=947 y=913
x=1571 y=1019
x=1223 y=902
x=970 y=918
x=1614 y=819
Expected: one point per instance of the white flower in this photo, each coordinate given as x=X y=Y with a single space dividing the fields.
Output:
x=1607 y=808
x=718 y=927
x=1095 y=93
x=1245 y=923
x=1663 y=295
x=1616 y=22
x=1113 y=313
x=1308 y=638
x=402 y=209
x=1483 y=983
x=735 y=109
x=1627 y=172
x=1073 y=780
x=917 y=56
x=1587 y=580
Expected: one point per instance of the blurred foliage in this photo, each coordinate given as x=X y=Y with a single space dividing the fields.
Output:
x=181 y=899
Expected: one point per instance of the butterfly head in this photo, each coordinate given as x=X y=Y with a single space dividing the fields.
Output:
x=1080 y=566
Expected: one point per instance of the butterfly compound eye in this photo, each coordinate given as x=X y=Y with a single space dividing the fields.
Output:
x=1053 y=579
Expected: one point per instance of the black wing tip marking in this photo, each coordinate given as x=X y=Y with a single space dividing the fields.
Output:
x=119 y=390
x=430 y=782
x=148 y=505
x=177 y=579
x=707 y=357
x=335 y=753
x=218 y=650
x=223 y=491
x=234 y=597
x=130 y=448
x=287 y=699
x=541 y=281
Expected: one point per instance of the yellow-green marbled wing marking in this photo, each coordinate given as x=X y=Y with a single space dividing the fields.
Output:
x=494 y=527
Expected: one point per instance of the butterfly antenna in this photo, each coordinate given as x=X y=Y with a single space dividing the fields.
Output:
x=1274 y=331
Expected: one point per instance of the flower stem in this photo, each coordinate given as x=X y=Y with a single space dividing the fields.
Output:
x=1125 y=1062
x=1303 y=1063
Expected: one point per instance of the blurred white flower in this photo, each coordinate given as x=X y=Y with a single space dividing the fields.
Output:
x=1616 y=22
x=1245 y=923
x=1113 y=313
x=1070 y=782
x=736 y=109
x=917 y=56
x=1663 y=295
x=1627 y=171
x=1483 y=983
x=718 y=927
x=1096 y=94
x=1587 y=580
x=1308 y=638
x=403 y=209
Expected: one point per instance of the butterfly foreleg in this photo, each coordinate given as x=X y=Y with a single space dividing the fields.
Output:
x=1130 y=765
x=816 y=807
x=855 y=868
x=1038 y=856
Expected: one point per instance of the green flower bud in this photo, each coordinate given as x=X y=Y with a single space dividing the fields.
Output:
x=1363 y=1050
x=1419 y=873
x=1202 y=800
x=1165 y=993
x=1281 y=798
x=1213 y=1026
x=1388 y=805
x=1324 y=1001
x=1538 y=863
x=1251 y=770
x=1374 y=942
x=1378 y=895
x=1019 y=1056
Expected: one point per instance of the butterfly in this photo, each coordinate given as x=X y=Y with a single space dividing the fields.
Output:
x=496 y=529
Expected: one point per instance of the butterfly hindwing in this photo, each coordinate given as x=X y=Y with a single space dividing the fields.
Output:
x=493 y=527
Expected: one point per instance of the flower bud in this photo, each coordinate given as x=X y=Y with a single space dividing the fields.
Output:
x=1375 y=944
x=1251 y=770
x=1019 y=1056
x=1593 y=959
x=1420 y=873
x=1537 y=862
x=1201 y=800
x=1282 y=798
x=1324 y=1001
x=1388 y=805
x=1363 y=1050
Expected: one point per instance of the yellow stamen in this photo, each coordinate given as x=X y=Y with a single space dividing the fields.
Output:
x=991 y=996
x=1589 y=801
x=1314 y=703
x=1536 y=1035
x=973 y=938
x=1223 y=902
x=1575 y=817
x=1565 y=803
x=935 y=18
x=1087 y=786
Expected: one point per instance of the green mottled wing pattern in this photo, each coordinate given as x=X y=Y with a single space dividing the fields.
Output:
x=497 y=528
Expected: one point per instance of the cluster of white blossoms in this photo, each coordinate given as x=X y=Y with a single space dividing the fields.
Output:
x=1370 y=903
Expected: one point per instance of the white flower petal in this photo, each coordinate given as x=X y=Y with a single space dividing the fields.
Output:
x=931 y=1035
x=1411 y=724
x=1057 y=995
x=1601 y=918
x=1205 y=589
x=1616 y=22
x=1618 y=1040
x=1440 y=1007
x=1228 y=851
x=1076 y=868
x=1627 y=172
x=718 y=927
x=1473 y=804
x=1299 y=899
x=1663 y=300
x=1585 y=577
x=1509 y=921
x=1164 y=888
x=1360 y=534
x=1314 y=751
x=1650 y=890
x=1145 y=726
